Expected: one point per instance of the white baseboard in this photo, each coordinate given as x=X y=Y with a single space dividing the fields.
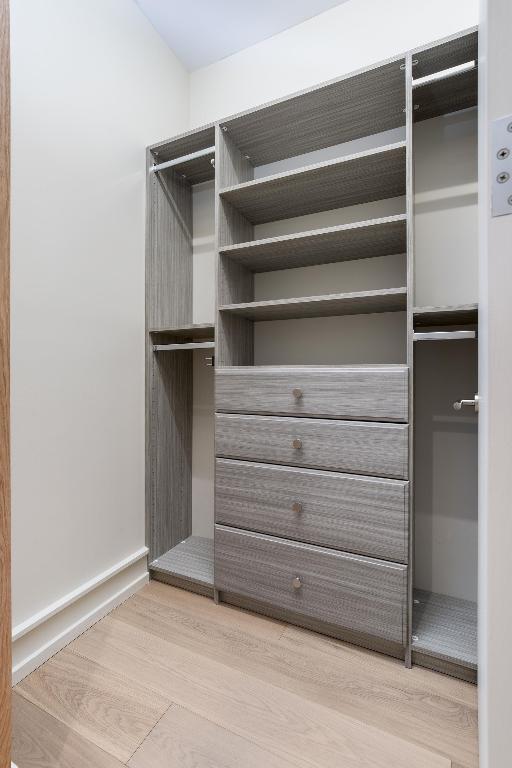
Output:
x=47 y=632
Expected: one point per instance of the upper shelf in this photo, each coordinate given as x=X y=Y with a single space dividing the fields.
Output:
x=346 y=242
x=449 y=94
x=183 y=333
x=462 y=314
x=358 y=105
x=373 y=175
x=449 y=54
x=331 y=305
x=195 y=169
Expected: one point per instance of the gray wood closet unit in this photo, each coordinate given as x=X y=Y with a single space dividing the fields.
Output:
x=315 y=465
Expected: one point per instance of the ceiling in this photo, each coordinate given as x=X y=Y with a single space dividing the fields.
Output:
x=201 y=32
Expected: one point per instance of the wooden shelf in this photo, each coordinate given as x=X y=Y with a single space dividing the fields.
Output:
x=183 y=333
x=358 y=105
x=451 y=53
x=359 y=303
x=197 y=170
x=445 y=628
x=190 y=562
x=451 y=94
x=360 y=178
x=362 y=240
x=463 y=314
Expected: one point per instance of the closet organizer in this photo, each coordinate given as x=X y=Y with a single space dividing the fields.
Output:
x=315 y=259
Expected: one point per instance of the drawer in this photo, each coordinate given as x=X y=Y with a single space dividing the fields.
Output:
x=374 y=393
x=357 y=514
x=348 y=446
x=349 y=591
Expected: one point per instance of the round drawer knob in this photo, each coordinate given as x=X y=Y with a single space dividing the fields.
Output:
x=296 y=582
x=297 y=443
x=297 y=506
x=297 y=393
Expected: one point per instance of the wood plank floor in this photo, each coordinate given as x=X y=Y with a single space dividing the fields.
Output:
x=171 y=680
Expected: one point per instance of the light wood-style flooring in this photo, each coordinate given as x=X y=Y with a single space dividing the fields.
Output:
x=171 y=680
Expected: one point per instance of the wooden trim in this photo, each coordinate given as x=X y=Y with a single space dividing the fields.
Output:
x=5 y=471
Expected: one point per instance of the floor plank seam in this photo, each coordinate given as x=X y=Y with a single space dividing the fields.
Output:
x=146 y=737
x=245 y=737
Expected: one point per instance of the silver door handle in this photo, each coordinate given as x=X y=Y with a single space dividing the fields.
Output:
x=468 y=403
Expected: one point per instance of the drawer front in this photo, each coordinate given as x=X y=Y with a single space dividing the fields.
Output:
x=348 y=591
x=375 y=393
x=356 y=514
x=346 y=446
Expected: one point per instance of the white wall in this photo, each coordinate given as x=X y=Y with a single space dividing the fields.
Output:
x=348 y=37
x=92 y=85
x=495 y=619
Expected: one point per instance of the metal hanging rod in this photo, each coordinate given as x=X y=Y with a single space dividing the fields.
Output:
x=443 y=335
x=179 y=347
x=182 y=159
x=450 y=72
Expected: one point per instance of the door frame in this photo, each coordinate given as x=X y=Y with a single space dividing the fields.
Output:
x=495 y=424
x=5 y=473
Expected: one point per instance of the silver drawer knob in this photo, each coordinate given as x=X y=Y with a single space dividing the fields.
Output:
x=296 y=582
x=296 y=506
x=297 y=393
x=297 y=443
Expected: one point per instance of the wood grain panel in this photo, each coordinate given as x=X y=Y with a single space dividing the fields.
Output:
x=347 y=446
x=42 y=741
x=345 y=242
x=445 y=96
x=372 y=175
x=374 y=393
x=184 y=144
x=284 y=723
x=96 y=703
x=456 y=50
x=169 y=257
x=361 y=594
x=432 y=710
x=332 y=305
x=191 y=560
x=5 y=463
x=360 y=104
x=463 y=314
x=182 y=739
x=346 y=512
x=445 y=628
x=170 y=450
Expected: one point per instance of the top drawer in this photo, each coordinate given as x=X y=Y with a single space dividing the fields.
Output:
x=363 y=393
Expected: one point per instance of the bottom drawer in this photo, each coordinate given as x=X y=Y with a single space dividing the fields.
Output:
x=349 y=591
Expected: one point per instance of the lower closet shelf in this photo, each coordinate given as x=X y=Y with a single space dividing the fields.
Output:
x=188 y=565
x=445 y=628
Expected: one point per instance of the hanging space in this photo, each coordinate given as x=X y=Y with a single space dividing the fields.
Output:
x=180 y=345
x=444 y=608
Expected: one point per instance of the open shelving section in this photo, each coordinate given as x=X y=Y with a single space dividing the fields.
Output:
x=445 y=631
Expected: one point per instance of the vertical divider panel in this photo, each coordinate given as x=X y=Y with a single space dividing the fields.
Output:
x=409 y=114
x=168 y=375
x=235 y=283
